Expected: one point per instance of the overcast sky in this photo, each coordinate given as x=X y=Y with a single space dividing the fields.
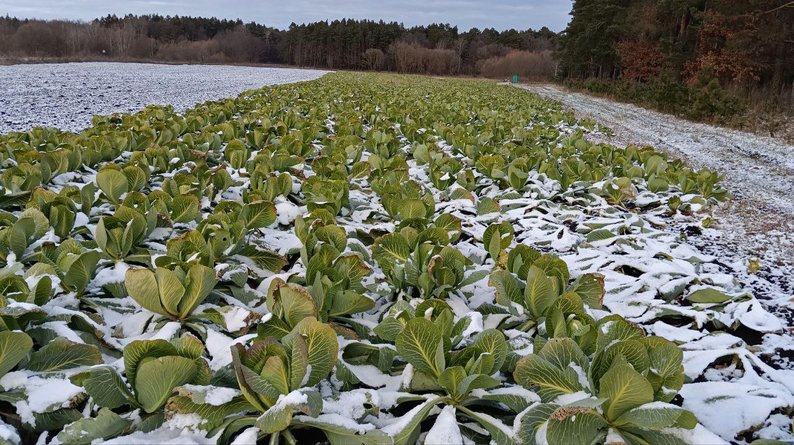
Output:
x=499 y=14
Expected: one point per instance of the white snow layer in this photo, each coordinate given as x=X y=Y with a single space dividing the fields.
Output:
x=445 y=431
x=67 y=95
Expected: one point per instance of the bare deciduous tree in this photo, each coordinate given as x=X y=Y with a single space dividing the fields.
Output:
x=374 y=59
x=534 y=66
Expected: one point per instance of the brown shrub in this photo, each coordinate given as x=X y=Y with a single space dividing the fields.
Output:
x=410 y=58
x=533 y=66
x=641 y=61
x=199 y=51
x=39 y=39
x=374 y=59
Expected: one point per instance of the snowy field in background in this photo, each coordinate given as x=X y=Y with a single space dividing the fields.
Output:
x=67 y=95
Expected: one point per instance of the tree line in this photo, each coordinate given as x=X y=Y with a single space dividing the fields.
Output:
x=683 y=53
x=340 y=44
x=706 y=59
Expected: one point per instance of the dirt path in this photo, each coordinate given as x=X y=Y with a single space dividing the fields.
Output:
x=759 y=172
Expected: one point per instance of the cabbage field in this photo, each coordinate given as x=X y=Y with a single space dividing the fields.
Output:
x=371 y=259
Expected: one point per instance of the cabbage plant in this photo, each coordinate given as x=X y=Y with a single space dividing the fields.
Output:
x=112 y=182
x=73 y=264
x=329 y=194
x=222 y=237
x=459 y=378
x=333 y=279
x=60 y=211
x=406 y=201
x=15 y=287
x=443 y=169
x=14 y=347
x=623 y=389
x=120 y=234
x=497 y=238
x=422 y=260
x=171 y=293
x=16 y=234
x=551 y=302
x=277 y=377
x=153 y=368
x=23 y=178
x=268 y=186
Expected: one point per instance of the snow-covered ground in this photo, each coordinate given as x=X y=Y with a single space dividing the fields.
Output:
x=757 y=223
x=759 y=171
x=67 y=95
x=737 y=356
